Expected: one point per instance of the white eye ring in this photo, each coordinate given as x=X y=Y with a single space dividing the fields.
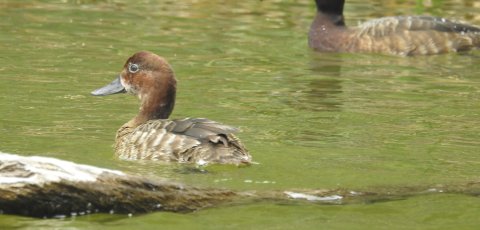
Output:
x=133 y=68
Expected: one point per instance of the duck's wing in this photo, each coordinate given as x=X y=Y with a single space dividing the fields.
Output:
x=388 y=25
x=205 y=130
x=199 y=128
x=219 y=144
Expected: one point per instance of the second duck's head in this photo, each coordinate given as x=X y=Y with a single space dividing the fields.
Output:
x=334 y=7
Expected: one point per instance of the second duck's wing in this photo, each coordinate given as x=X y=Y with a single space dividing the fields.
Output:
x=413 y=35
x=388 y=25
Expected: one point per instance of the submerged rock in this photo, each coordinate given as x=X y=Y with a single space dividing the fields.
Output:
x=48 y=187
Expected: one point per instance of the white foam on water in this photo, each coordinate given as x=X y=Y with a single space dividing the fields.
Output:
x=297 y=195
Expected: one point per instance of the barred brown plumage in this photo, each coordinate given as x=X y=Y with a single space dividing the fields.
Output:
x=151 y=136
x=401 y=35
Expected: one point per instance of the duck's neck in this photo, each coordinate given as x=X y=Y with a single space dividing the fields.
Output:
x=331 y=11
x=157 y=104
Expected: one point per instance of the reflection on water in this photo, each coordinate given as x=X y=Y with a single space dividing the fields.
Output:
x=311 y=120
x=321 y=88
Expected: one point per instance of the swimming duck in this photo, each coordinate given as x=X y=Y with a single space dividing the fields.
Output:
x=152 y=136
x=402 y=35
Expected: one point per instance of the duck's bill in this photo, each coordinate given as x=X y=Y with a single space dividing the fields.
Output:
x=114 y=87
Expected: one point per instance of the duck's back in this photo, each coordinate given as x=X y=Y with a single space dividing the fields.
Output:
x=195 y=140
x=413 y=35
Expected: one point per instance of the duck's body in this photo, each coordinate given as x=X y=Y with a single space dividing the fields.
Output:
x=402 y=35
x=151 y=136
x=188 y=140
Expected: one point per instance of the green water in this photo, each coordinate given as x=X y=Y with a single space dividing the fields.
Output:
x=310 y=120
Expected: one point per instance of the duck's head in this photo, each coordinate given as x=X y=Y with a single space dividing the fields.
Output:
x=149 y=77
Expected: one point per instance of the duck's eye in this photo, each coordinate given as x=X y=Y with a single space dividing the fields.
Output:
x=133 y=68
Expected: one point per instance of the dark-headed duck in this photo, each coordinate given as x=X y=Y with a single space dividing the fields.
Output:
x=402 y=35
x=151 y=136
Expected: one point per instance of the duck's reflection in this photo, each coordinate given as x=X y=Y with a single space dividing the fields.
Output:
x=320 y=88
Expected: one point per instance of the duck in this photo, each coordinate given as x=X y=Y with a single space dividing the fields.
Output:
x=397 y=35
x=151 y=135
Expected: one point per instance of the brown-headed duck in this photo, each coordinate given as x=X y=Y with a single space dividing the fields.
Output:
x=402 y=35
x=151 y=136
